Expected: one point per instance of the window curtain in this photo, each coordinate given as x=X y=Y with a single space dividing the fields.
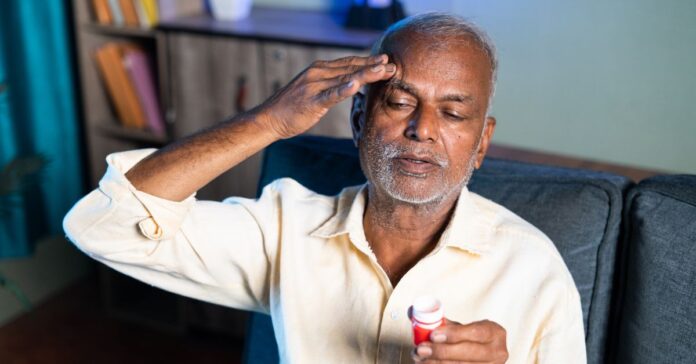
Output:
x=37 y=116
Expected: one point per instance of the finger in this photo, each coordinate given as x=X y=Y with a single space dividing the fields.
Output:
x=468 y=351
x=352 y=61
x=339 y=88
x=364 y=75
x=321 y=74
x=430 y=359
x=333 y=95
x=480 y=332
x=321 y=70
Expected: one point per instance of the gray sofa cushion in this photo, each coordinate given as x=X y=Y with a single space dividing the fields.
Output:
x=658 y=315
x=579 y=210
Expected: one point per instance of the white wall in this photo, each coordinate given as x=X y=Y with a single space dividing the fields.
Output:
x=606 y=80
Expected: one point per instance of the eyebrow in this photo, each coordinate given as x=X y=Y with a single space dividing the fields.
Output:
x=410 y=89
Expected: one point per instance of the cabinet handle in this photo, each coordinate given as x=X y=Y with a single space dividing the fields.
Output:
x=170 y=116
x=240 y=98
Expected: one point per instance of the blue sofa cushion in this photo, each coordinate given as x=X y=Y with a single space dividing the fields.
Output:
x=658 y=316
x=579 y=210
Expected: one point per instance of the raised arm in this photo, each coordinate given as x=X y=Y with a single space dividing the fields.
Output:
x=180 y=169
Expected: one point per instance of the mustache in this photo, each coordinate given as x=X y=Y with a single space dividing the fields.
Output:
x=393 y=150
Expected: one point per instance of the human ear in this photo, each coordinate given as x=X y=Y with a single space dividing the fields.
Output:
x=486 y=136
x=357 y=116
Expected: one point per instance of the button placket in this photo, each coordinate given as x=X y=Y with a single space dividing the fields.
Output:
x=393 y=329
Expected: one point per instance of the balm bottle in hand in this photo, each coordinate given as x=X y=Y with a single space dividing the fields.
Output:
x=426 y=316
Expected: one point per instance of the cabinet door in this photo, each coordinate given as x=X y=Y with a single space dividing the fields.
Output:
x=212 y=79
x=282 y=62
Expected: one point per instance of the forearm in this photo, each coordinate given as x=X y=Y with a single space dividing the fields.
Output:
x=182 y=168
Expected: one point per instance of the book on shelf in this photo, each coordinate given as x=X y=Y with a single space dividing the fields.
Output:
x=140 y=73
x=143 y=13
x=102 y=11
x=151 y=11
x=143 y=20
x=130 y=18
x=116 y=12
x=130 y=84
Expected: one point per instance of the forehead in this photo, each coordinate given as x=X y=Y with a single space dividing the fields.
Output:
x=441 y=65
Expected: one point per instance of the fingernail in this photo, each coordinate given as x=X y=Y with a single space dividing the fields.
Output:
x=424 y=351
x=415 y=357
x=376 y=68
x=379 y=58
x=350 y=84
x=390 y=67
x=438 y=338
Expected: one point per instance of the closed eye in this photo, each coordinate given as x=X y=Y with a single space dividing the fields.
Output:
x=455 y=116
x=398 y=105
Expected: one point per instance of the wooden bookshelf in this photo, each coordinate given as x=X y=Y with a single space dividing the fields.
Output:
x=118 y=31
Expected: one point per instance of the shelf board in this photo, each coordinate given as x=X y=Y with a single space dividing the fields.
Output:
x=119 y=30
x=137 y=135
x=317 y=28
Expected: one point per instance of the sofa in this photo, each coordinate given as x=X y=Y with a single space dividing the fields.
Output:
x=631 y=248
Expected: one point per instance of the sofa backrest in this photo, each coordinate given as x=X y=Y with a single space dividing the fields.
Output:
x=579 y=210
x=657 y=316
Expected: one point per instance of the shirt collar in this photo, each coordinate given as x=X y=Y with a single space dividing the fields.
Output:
x=348 y=218
x=469 y=228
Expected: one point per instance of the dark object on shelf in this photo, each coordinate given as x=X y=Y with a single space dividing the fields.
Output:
x=366 y=17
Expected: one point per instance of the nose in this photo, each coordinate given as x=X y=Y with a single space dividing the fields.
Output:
x=422 y=127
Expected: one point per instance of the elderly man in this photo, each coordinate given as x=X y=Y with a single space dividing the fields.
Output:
x=339 y=273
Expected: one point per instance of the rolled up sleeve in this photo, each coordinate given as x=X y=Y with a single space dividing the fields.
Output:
x=212 y=251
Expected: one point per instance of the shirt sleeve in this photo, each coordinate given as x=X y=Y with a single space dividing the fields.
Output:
x=211 y=251
x=564 y=342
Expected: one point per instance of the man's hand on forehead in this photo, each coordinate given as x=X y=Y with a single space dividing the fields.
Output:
x=300 y=105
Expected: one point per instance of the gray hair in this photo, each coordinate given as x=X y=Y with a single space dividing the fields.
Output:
x=445 y=27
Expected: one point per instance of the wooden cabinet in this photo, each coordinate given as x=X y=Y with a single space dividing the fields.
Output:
x=213 y=79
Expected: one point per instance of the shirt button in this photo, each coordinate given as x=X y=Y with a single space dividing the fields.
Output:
x=394 y=315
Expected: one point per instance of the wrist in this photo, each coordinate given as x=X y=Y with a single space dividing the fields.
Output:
x=268 y=125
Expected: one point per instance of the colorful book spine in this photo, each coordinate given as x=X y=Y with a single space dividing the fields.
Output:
x=142 y=16
x=121 y=87
x=107 y=58
x=102 y=11
x=116 y=12
x=152 y=11
x=140 y=73
x=130 y=17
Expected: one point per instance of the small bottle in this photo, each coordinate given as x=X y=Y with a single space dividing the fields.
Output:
x=426 y=316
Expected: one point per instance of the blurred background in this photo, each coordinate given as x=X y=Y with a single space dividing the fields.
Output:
x=595 y=84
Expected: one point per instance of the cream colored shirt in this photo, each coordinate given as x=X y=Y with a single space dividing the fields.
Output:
x=303 y=258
